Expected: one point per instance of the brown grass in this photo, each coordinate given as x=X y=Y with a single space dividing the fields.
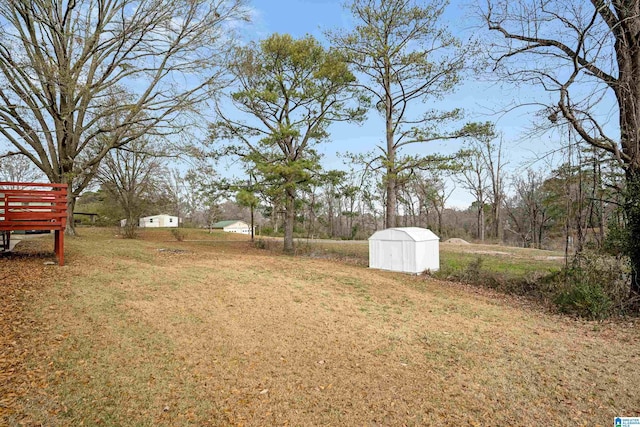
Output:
x=210 y=331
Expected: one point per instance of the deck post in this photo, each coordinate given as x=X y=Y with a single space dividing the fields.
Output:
x=59 y=246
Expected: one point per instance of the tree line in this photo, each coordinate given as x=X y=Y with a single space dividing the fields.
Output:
x=572 y=206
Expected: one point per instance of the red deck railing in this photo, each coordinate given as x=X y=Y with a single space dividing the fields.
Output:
x=34 y=206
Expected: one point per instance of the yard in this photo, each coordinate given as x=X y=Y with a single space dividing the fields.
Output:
x=212 y=331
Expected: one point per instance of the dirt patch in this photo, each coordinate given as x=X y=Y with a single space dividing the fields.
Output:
x=491 y=252
x=552 y=258
x=173 y=251
x=456 y=241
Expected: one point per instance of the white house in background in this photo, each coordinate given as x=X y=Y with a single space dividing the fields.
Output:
x=232 y=226
x=155 y=221
x=405 y=249
x=161 y=220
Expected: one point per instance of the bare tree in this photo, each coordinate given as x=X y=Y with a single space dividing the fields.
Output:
x=420 y=189
x=63 y=63
x=423 y=191
x=439 y=197
x=206 y=189
x=474 y=177
x=586 y=54
x=132 y=176
x=332 y=180
x=177 y=193
x=18 y=168
x=529 y=214
x=492 y=156
x=483 y=176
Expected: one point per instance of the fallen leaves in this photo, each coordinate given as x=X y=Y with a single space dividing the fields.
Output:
x=23 y=274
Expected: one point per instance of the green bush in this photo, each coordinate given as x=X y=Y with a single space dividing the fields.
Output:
x=584 y=300
x=260 y=244
x=473 y=272
x=178 y=234
x=617 y=240
x=480 y=273
x=593 y=286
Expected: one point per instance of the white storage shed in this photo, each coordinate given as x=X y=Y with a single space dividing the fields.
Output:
x=404 y=249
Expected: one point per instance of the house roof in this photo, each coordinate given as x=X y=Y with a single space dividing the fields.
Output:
x=159 y=215
x=223 y=224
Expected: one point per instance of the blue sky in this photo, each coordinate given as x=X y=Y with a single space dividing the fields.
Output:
x=297 y=17
x=478 y=98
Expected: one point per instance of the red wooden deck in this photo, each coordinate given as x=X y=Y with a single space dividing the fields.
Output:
x=34 y=206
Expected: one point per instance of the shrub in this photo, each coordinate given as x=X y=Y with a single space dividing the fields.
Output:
x=130 y=231
x=268 y=231
x=528 y=285
x=593 y=286
x=585 y=300
x=178 y=234
x=260 y=244
x=617 y=240
x=473 y=271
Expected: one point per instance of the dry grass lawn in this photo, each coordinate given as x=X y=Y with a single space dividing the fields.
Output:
x=211 y=331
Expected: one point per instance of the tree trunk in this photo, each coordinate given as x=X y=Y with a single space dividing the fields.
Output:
x=496 y=215
x=598 y=174
x=392 y=178
x=330 y=214
x=289 y=220
x=252 y=221
x=274 y=217
x=481 y=222
x=312 y=215
x=70 y=230
x=390 y=217
x=541 y=231
x=632 y=209
x=130 y=227
x=628 y=94
x=534 y=226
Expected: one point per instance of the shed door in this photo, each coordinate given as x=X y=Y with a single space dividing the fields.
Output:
x=392 y=256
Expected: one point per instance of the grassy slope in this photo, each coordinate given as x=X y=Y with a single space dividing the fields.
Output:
x=226 y=334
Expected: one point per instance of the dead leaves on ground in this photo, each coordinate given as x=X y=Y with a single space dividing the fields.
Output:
x=22 y=274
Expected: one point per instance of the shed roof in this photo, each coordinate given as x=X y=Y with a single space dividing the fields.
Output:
x=416 y=234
